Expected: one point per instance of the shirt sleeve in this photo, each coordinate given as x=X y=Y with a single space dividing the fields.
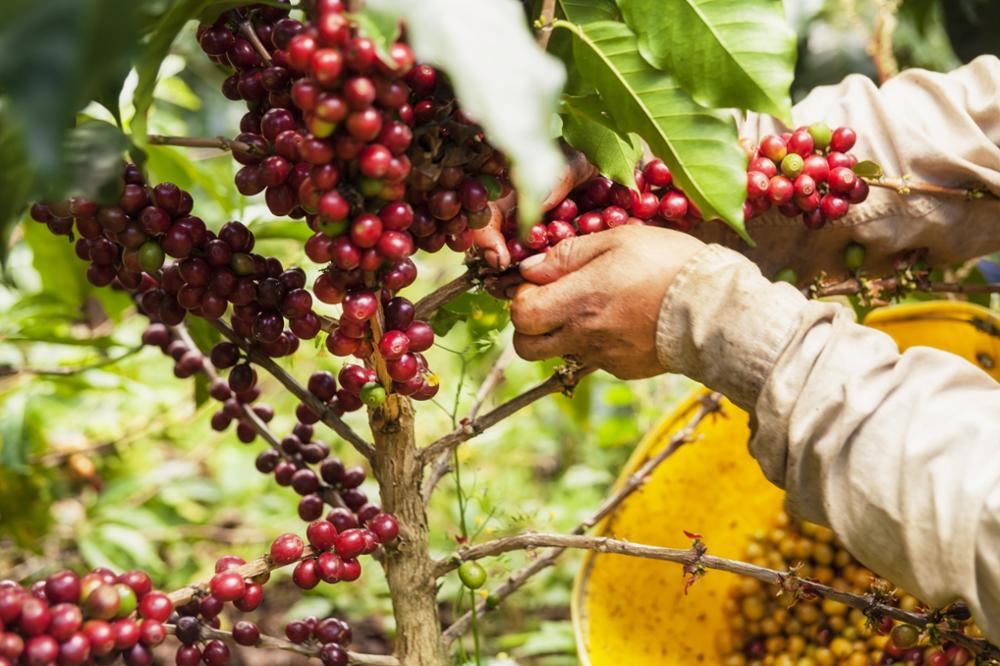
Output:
x=898 y=453
x=936 y=128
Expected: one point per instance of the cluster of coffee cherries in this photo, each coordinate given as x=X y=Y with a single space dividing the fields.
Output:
x=127 y=245
x=603 y=204
x=374 y=154
x=160 y=293
x=768 y=630
x=808 y=172
x=73 y=620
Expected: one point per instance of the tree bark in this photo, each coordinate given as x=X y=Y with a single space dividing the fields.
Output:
x=408 y=566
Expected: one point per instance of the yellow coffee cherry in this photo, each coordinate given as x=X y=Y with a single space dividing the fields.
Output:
x=803 y=549
x=807 y=614
x=841 y=647
x=823 y=553
x=796 y=645
x=909 y=603
x=735 y=660
x=841 y=558
x=769 y=627
x=831 y=607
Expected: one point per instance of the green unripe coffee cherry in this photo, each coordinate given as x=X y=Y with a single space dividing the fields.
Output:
x=854 y=256
x=786 y=274
x=333 y=229
x=151 y=256
x=372 y=394
x=127 y=600
x=904 y=636
x=472 y=575
x=242 y=264
x=370 y=187
x=792 y=165
x=821 y=134
x=492 y=601
x=493 y=187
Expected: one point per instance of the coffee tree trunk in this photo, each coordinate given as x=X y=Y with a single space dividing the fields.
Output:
x=408 y=565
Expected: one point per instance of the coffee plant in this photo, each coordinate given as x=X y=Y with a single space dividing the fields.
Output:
x=382 y=131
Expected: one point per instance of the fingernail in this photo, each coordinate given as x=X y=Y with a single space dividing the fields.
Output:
x=510 y=293
x=492 y=258
x=532 y=261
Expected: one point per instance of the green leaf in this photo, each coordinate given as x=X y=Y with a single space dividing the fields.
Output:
x=58 y=55
x=15 y=183
x=700 y=146
x=588 y=128
x=869 y=169
x=725 y=53
x=380 y=27
x=15 y=445
x=147 y=65
x=281 y=230
x=92 y=158
x=588 y=11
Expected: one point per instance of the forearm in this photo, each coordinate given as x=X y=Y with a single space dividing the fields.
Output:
x=898 y=453
x=937 y=128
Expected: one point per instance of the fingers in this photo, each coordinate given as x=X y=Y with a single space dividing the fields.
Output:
x=541 y=347
x=578 y=171
x=490 y=239
x=568 y=256
x=537 y=310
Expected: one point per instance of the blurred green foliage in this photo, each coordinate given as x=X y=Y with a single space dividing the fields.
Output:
x=107 y=459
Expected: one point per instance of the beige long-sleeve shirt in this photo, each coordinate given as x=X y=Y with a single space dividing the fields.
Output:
x=898 y=453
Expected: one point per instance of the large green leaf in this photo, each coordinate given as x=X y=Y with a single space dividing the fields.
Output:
x=700 y=146
x=588 y=11
x=588 y=128
x=147 y=66
x=725 y=53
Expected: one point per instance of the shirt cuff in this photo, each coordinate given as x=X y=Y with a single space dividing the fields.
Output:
x=723 y=324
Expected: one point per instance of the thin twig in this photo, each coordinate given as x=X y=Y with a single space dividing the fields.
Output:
x=326 y=414
x=695 y=557
x=544 y=23
x=251 y=569
x=310 y=649
x=6 y=370
x=710 y=404
x=429 y=304
x=493 y=379
x=905 y=186
x=326 y=492
x=247 y=29
x=894 y=287
x=564 y=380
x=220 y=143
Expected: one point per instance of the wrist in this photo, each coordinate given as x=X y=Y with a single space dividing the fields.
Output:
x=723 y=324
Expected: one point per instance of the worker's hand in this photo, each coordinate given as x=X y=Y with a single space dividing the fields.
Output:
x=490 y=239
x=598 y=298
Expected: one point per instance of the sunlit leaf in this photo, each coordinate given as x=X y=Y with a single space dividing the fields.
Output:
x=725 y=53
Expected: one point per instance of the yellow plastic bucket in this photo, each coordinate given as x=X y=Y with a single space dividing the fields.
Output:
x=629 y=611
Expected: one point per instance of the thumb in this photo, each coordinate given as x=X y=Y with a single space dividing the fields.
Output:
x=569 y=255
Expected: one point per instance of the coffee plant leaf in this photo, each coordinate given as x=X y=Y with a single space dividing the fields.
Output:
x=587 y=11
x=503 y=80
x=869 y=169
x=725 y=53
x=382 y=28
x=156 y=48
x=59 y=55
x=701 y=146
x=588 y=128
